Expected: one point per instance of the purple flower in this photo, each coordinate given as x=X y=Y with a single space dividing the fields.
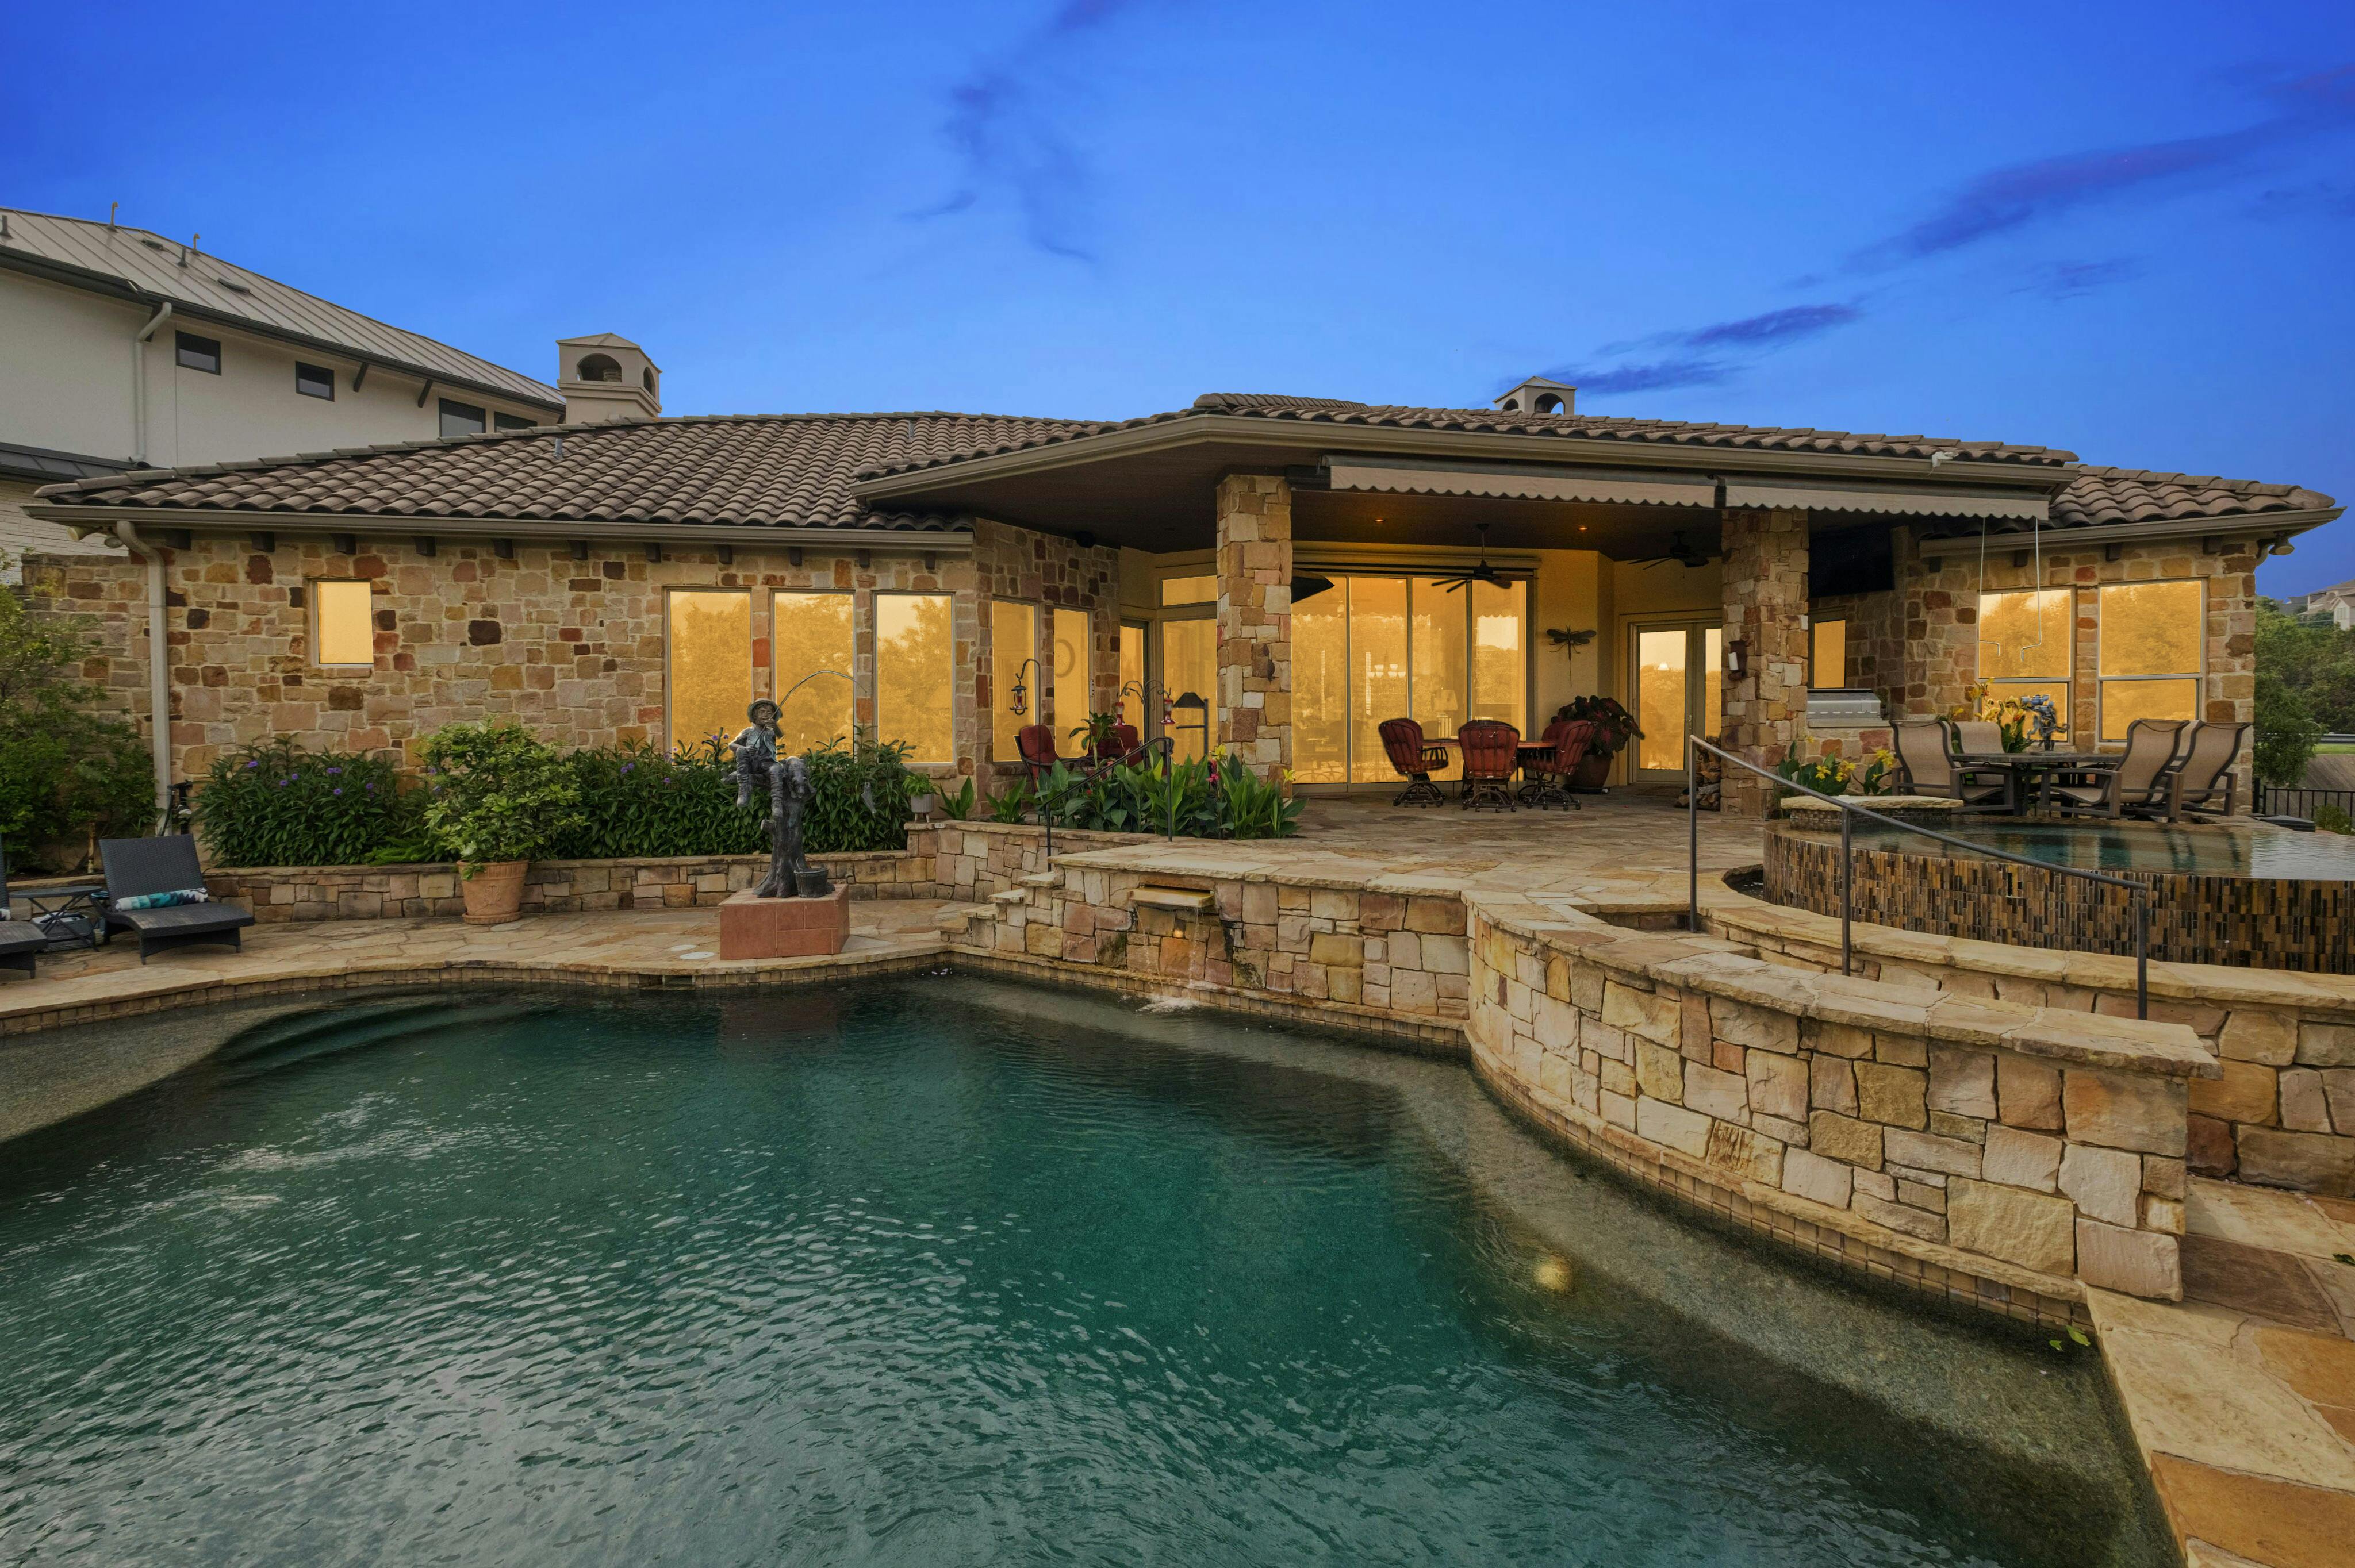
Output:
x=335 y=770
x=339 y=789
x=256 y=763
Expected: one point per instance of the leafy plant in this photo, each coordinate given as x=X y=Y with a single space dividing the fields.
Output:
x=498 y=792
x=2286 y=731
x=276 y=803
x=1876 y=776
x=1615 y=727
x=1825 y=775
x=1013 y=804
x=959 y=806
x=1096 y=733
x=640 y=801
x=2332 y=818
x=68 y=775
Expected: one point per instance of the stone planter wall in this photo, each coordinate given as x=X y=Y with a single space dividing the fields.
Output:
x=2282 y=1114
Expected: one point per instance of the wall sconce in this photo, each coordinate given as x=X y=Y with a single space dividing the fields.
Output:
x=1737 y=660
x=1020 y=694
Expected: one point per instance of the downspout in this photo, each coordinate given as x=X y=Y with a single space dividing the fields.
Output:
x=139 y=383
x=159 y=675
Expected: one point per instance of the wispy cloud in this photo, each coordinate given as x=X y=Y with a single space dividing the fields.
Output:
x=1003 y=129
x=1712 y=354
x=2017 y=197
x=1774 y=329
x=1645 y=378
x=2070 y=279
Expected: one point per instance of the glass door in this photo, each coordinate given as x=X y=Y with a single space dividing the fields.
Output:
x=1678 y=690
x=1189 y=674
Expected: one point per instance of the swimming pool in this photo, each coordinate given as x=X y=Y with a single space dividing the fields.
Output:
x=944 y=1270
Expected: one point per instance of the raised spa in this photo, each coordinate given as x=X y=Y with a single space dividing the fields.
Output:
x=2245 y=893
x=945 y=1271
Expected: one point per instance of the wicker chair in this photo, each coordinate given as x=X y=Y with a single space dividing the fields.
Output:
x=2206 y=770
x=1414 y=758
x=1491 y=749
x=1549 y=784
x=2140 y=782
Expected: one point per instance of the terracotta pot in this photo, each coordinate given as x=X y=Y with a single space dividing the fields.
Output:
x=1593 y=772
x=495 y=892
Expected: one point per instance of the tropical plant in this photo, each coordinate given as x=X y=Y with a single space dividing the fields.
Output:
x=276 y=803
x=496 y=792
x=959 y=806
x=1012 y=804
x=1096 y=733
x=1825 y=775
x=1615 y=727
x=68 y=775
x=1878 y=774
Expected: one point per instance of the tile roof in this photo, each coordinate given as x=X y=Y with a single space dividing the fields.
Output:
x=750 y=470
x=2098 y=496
x=162 y=268
x=1340 y=412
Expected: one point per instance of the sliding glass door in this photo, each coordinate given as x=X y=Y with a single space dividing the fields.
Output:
x=1374 y=648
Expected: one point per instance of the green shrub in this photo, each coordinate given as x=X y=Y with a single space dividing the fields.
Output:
x=496 y=792
x=278 y=804
x=2333 y=818
x=2286 y=731
x=1205 y=800
x=638 y=800
x=67 y=776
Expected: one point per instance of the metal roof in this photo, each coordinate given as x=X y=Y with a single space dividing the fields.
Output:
x=54 y=467
x=134 y=262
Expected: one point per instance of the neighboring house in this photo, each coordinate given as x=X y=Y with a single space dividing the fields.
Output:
x=120 y=349
x=2335 y=604
x=1285 y=560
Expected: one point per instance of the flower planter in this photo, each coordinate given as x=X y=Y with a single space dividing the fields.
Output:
x=1593 y=772
x=494 y=894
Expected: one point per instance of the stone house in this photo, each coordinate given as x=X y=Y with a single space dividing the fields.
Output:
x=1291 y=563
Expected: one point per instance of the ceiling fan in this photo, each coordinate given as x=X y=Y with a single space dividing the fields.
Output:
x=1677 y=551
x=1483 y=573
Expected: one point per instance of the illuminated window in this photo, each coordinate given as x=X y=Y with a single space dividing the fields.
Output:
x=1189 y=590
x=1072 y=670
x=2025 y=645
x=1189 y=662
x=711 y=664
x=1132 y=676
x=810 y=632
x=342 y=620
x=1827 y=653
x=1013 y=640
x=1369 y=649
x=2151 y=644
x=914 y=667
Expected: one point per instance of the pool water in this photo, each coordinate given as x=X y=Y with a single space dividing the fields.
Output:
x=2251 y=850
x=942 y=1271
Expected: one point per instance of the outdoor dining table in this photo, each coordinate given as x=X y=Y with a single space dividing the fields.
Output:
x=2038 y=767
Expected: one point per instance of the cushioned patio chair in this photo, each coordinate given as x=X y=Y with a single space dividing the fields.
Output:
x=1492 y=754
x=1549 y=779
x=1414 y=758
x=138 y=869
x=21 y=940
x=1924 y=751
x=1124 y=747
x=2204 y=769
x=1035 y=742
x=2139 y=783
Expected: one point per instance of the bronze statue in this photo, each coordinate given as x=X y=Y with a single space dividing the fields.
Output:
x=786 y=782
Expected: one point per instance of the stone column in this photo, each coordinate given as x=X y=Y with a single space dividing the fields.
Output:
x=1765 y=599
x=1254 y=694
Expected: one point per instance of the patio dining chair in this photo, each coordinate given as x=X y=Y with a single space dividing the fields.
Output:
x=1036 y=743
x=1924 y=753
x=1978 y=737
x=2138 y=784
x=1414 y=758
x=1549 y=779
x=2205 y=771
x=1491 y=750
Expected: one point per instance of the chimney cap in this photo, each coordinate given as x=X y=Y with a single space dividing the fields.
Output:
x=1539 y=395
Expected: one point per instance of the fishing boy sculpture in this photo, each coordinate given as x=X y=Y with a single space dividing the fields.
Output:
x=786 y=782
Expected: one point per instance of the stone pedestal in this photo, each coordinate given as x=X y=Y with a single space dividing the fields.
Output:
x=752 y=927
x=1765 y=578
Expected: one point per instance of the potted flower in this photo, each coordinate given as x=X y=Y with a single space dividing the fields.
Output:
x=499 y=800
x=1096 y=736
x=1615 y=727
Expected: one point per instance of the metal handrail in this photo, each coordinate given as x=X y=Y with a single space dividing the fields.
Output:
x=1849 y=812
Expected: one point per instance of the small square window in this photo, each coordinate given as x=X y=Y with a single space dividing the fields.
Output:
x=463 y=418
x=343 y=628
x=199 y=353
x=314 y=381
x=513 y=422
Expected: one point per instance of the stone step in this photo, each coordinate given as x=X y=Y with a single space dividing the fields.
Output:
x=1011 y=895
x=1042 y=879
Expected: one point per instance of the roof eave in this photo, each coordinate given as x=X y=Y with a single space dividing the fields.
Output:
x=954 y=537
x=2283 y=523
x=1192 y=429
x=107 y=283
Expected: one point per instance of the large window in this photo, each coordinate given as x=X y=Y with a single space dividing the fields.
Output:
x=2151 y=653
x=1828 y=654
x=1189 y=665
x=810 y=633
x=1013 y=642
x=711 y=664
x=1131 y=676
x=914 y=667
x=2024 y=646
x=343 y=629
x=1372 y=648
x=1072 y=669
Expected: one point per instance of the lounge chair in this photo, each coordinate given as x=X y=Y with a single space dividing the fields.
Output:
x=2138 y=783
x=21 y=940
x=137 y=868
x=1924 y=752
x=2205 y=771
x=1414 y=759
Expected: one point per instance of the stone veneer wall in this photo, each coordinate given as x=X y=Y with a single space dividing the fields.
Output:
x=1995 y=1153
x=1765 y=592
x=2279 y=1113
x=1254 y=694
x=574 y=648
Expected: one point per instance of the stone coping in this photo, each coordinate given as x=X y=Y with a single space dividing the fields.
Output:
x=2221 y=983
x=1888 y=805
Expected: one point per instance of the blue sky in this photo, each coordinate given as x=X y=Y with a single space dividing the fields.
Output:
x=2124 y=230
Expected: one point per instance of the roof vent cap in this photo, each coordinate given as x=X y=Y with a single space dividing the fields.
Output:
x=1539 y=395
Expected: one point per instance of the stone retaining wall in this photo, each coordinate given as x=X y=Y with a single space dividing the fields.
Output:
x=2282 y=1114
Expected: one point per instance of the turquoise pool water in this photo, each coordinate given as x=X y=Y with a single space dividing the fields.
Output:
x=943 y=1271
